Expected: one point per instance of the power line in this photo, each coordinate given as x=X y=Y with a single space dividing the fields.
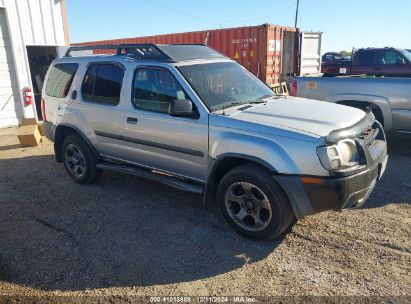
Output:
x=202 y=17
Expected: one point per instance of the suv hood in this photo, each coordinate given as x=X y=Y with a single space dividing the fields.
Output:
x=306 y=115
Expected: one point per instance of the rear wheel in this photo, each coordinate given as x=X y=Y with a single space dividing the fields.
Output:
x=79 y=161
x=253 y=204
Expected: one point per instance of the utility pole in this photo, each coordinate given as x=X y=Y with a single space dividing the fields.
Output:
x=296 y=13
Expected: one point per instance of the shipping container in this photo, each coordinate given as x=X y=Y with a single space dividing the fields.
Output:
x=271 y=52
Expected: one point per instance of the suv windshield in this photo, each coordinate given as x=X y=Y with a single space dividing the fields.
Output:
x=406 y=54
x=224 y=84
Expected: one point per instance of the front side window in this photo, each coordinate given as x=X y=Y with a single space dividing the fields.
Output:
x=102 y=83
x=224 y=84
x=389 y=57
x=60 y=78
x=154 y=89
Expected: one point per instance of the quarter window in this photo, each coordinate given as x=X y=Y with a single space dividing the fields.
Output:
x=60 y=78
x=154 y=89
x=102 y=83
x=88 y=82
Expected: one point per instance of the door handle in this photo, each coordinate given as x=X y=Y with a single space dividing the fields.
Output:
x=132 y=120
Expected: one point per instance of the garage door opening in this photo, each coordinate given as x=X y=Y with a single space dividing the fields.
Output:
x=40 y=58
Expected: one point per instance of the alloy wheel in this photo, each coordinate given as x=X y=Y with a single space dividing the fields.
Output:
x=248 y=206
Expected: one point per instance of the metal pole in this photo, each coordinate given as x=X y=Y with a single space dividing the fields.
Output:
x=296 y=13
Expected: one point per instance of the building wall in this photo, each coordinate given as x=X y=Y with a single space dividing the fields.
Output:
x=33 y=22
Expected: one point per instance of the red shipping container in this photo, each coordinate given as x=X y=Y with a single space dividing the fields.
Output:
x=269 y=51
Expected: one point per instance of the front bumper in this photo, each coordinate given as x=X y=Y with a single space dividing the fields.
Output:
x=334 y=193
x=341 y=190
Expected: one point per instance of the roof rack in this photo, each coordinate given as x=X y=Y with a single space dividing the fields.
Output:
x=140 y=51
x=160 y=52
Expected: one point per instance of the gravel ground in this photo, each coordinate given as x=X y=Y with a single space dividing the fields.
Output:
x=126 y=236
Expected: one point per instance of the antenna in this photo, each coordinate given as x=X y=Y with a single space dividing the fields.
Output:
x=296 y=13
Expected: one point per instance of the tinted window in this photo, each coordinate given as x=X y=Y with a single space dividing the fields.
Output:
x=365 y=57
x=60 y=79
x=107 y=86
x=102 y=83
x=389 y=57
x=88 y=82
x=154 y=89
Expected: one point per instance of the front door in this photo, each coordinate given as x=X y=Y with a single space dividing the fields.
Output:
x=154 y=138
x=98 y=103
x=391 y=62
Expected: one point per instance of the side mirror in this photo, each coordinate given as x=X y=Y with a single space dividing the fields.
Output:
x=181 y=108
x=400 y=61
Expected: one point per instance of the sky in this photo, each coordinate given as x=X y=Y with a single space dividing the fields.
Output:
x=345 y=24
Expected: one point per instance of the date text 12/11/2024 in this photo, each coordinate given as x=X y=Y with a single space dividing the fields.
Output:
x=202 y=299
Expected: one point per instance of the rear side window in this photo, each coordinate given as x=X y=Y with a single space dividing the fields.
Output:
x=365 y=58
x=102 y=83
x=60 y=78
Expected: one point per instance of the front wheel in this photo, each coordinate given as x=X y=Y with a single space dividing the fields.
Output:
x=253 y=204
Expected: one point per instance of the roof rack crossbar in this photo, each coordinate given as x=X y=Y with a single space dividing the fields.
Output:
x=141 y=51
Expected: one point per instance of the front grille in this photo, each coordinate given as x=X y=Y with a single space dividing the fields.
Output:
x=364 y=135
x=373 y=140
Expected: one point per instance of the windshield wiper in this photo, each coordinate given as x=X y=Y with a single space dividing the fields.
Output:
x=269 y=96
x=233 y=104
x=256 y=101
x=238 y=103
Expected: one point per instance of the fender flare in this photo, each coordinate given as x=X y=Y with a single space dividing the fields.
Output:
x=380 y=101
x=291 y=185
x=58 y=142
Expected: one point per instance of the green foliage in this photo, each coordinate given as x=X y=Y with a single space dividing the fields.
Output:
x=345 y=53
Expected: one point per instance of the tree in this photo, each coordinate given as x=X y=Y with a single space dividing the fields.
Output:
x=346 y=53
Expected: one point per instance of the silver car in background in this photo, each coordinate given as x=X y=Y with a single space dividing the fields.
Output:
x=388 y=98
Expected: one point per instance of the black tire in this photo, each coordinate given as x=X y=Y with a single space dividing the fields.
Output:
x=86 y=159
x=378 y=116
x=281 y=214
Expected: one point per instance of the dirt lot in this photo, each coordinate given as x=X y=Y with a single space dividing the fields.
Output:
x=126 y=236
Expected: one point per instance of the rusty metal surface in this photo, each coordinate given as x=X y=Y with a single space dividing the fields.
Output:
x=258 y=48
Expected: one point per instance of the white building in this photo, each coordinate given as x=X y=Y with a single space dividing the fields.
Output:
x=31 y=32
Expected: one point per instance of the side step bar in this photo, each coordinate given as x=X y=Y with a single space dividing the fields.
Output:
x=158 y=177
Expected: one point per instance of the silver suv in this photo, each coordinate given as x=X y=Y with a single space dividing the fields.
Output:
x=189 y=117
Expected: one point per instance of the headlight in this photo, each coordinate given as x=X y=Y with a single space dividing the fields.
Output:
x=342 y=155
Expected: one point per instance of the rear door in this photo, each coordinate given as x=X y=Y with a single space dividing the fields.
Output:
x=96 y=111
x=56 y=92
x=365 y=63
